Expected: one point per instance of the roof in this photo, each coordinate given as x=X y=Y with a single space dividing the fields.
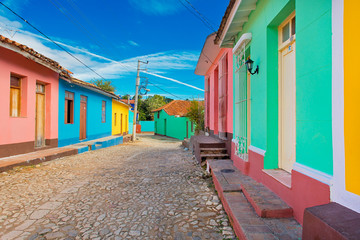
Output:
x=32 y=54
x=89 y=86
x=236 y=15
x=175 y=107
x=208 y=55
x=126 y=101
x=121 y=102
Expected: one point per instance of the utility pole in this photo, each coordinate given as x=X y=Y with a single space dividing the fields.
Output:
x=136 y=98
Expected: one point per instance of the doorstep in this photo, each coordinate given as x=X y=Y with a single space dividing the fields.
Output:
x=255 y=212
x=40 y=156
x=37 y=157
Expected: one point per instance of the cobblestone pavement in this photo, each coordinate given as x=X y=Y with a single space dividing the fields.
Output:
x=151 y=189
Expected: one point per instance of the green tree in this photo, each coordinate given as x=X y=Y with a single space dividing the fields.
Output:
x=127 y=96
x=146 y=106
x=196 y=114
x=104 y=85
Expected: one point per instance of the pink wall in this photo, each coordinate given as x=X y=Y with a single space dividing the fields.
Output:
x=22 y=129
x=304 y=192
x=214 y=91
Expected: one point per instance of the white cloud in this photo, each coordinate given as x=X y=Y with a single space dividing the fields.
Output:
x=156 y=7
x=159 y=63
x=132 y=43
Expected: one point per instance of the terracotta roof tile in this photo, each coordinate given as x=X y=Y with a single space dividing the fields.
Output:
x=47 y=61
x=126 y=101
x=176 y=107
x=87 y=84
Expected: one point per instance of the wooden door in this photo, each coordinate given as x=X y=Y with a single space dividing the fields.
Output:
x=40 y=116
x=187 y=129
x=287 y=108
x=222 y=97
x=83 y=110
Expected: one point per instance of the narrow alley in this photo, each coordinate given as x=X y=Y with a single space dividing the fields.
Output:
x=151 y=189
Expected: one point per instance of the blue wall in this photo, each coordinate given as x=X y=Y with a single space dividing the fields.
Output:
x=147 y=126
x=69 y=133
x=131 y=121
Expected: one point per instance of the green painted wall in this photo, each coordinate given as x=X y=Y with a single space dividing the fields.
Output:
x=175 y=126
x=313 y=80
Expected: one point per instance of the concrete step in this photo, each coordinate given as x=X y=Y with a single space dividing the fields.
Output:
x=212 y=145
x=213 y=149
x=265 y=203
x=221 y=155
x=37 y=157
x=248 y=225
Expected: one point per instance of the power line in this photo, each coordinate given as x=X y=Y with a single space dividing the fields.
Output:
x=165 y=90
x=199 y=13
x=208 y=25
x=52 y=40
x=73 y=20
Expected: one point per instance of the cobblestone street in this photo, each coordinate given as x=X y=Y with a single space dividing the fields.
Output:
x=151 y=189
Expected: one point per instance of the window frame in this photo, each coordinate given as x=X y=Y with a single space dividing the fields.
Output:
x=292 y=37
x=19 y=100
x=103 y=111
x=69 y=98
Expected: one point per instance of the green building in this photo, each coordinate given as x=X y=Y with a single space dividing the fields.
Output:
x=282 y=103
x=170 y=120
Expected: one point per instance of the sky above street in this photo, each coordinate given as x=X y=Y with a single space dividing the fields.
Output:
x=110 y=36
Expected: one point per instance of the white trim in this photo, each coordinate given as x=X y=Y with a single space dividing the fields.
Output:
x=229 y=20
x=338 y=192
x=257 y=150
x=313 y=173
x=244 y=39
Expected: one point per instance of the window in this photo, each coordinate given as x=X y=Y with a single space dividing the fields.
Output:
x=287 y=30
x=15 y=96
x=242 y=105
x=69 y=107
x=115 y=118
x=158 y=114
x=103 y=110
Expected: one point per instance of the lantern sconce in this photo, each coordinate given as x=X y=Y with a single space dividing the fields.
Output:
x=249 y=65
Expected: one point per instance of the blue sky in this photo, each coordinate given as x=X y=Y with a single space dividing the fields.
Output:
x=109 y=36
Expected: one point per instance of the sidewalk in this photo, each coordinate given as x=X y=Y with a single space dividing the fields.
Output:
x=37 y=157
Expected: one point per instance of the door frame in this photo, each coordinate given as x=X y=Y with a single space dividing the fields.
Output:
x=44 y=115
x=85 y=121
x=281 y=47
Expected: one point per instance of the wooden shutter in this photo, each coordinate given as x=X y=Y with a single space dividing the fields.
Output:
x=222 y=96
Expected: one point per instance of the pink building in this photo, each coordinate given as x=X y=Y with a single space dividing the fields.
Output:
x=29 y=90
x=215 y=64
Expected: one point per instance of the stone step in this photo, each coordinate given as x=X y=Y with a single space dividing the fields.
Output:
x=212 y=145
x=265 y=203
x=222 y=155
x=213 y=149
x=248 y=225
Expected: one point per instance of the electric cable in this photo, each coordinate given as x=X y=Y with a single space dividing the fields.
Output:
x=165 y=90
x=52 y=40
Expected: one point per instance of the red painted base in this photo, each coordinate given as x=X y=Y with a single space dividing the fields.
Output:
x=304 y=192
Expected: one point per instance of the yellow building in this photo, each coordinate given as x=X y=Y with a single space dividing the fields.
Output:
x=120 y=118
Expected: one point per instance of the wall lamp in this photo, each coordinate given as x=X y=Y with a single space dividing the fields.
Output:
x=249 y=65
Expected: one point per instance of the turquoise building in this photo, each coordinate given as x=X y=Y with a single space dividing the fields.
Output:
x=282 y=83
x=85 y=111
x=171 y=120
